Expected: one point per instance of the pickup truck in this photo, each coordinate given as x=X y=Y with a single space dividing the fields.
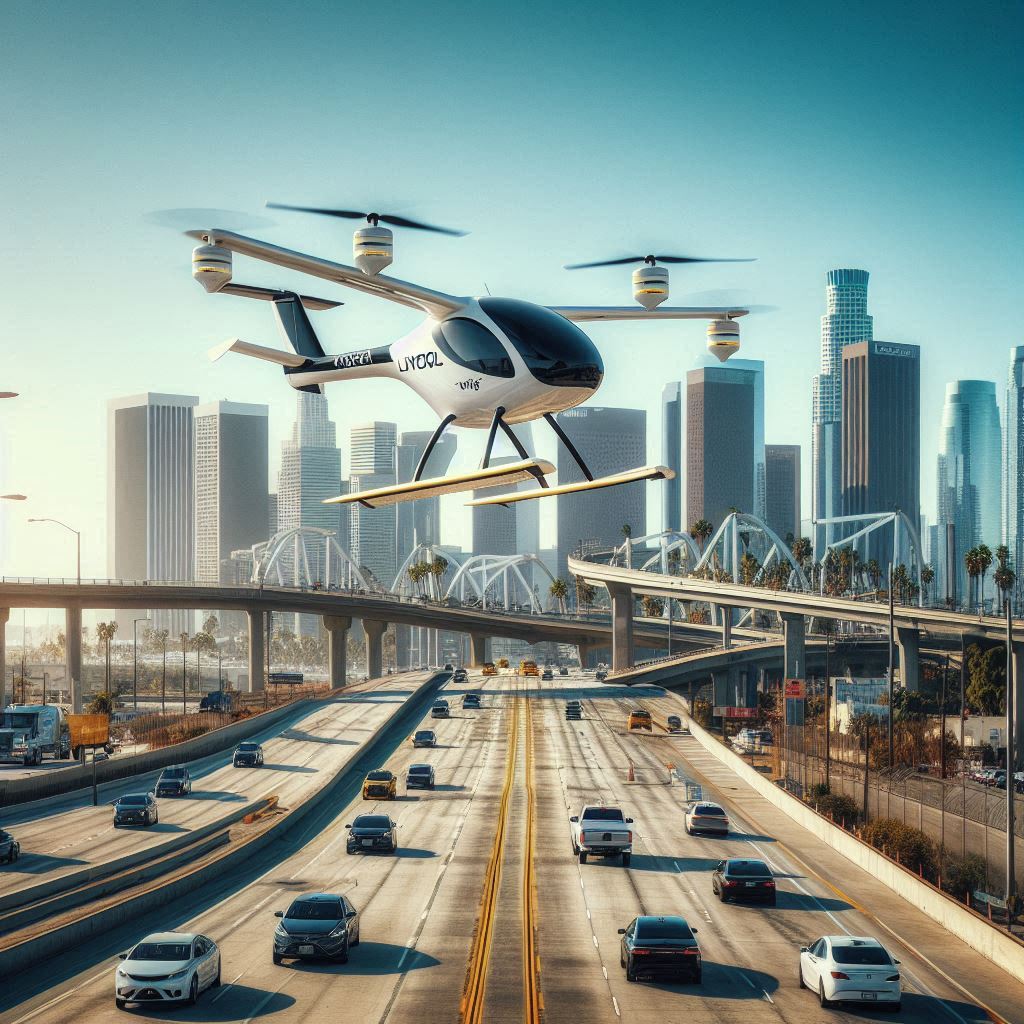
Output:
x=601 y=832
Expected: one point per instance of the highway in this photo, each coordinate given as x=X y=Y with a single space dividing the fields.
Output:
x=485 y=872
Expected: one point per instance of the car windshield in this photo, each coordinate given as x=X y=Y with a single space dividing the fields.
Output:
x=748 y=869
x=603 y=814
x=133 y=800
x=641 y=714
x=424 y=734
x=162 y=951
x=379 y=776
x=666 y=929
x=860 y=955
x=173 y=773
x=372 y=821
x=709 y=810
x=419 y=769
x=247 y=748
x=315 y=910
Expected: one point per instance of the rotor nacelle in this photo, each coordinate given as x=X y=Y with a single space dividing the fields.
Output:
x=650 y=285
x=372 y=248
x=723 y=338
x=211 y=266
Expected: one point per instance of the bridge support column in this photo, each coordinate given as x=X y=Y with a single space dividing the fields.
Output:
x=794 y=658
x=907 y=639
x=374 y=630
x=73 y=654
x=257 y=623
x=1018 y=705
x=337 y=627
x=5 y=614
x=622 y=627
x=479 y=649
x=726 y=611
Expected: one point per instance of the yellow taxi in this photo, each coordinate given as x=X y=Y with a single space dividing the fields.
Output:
x=528 y=668
x=640 y=719
x=380 y=785
x=489 y=669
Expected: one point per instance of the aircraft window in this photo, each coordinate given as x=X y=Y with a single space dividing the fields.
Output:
x=472 y=345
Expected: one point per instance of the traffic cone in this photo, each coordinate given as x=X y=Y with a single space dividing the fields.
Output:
x=631 y=777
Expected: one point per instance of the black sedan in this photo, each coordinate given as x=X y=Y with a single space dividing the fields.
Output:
x=136 y=809
x=10 y=848
x=736 y=879
x=372 y=832
x=174 y=781
x=664 y=947
x=247 y=755
x=317 y=925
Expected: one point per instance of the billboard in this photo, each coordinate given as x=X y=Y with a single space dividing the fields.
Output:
x=89 y=730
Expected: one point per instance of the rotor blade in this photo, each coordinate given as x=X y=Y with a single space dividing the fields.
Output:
x=604 y=263
x=705 y=259
x=231 y=220
x=720 y=297
x=347 y=214
x=404 y=222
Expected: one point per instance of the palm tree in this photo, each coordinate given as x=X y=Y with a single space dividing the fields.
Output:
x=874 y=571
x=652 y=606
x=701 y=531
x=211 y=624
x=984 y=562
x=801 y=549
x=559 y=590
x=438 y=567
x=927 y=575
x=104 y=634
x=1004 y=577
x=749 y=567
x=972 y=563
x=585 y=593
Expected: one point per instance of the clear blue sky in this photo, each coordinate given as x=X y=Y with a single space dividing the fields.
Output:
x=809 y=135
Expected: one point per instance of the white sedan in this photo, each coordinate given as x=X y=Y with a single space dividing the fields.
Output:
x=850 y=969
x=167 y=967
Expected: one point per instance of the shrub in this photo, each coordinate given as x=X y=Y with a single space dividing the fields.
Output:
x=962 y=875
x=841 y=808
x=702 y=712
x=910 y=846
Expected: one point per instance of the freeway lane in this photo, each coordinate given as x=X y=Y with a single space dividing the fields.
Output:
x=420 y=908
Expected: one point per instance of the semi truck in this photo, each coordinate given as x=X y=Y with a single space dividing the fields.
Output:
x=28 y=731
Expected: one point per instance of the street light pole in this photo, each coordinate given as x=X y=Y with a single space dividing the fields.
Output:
x=892 y=654
x=135 y=660
x=78 y=544
x=1011 y=782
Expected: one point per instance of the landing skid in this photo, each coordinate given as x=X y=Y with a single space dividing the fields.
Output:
x=616 y=479
x=493 y=476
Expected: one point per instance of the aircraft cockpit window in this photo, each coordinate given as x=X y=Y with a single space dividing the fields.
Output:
x=470 y=344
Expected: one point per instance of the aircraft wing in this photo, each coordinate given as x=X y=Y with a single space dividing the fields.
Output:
x=582 y=314
x=433 y=303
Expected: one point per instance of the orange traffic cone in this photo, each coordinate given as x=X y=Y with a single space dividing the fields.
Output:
x=631 y=777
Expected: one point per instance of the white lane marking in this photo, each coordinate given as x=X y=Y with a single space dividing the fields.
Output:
x=594 y=937
x=64 y=995
x=263 y=1002
x=604 y=971
x=615 y=1004
x=262 y=903
x=768 y=997
x=224 y=988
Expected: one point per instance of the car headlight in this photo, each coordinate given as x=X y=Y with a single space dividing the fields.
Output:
x=122 y=973
x=179 y=975
x=280 y=932
x=338 y=932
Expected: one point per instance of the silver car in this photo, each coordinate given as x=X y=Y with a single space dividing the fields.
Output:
x=167 y=967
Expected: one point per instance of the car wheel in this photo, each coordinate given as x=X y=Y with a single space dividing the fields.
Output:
x=276 y=957
x=193 y=991
x=825 y=1003
x=622 y=957
x=342 y=957
x=897 y=1006
x=583 y=856
x=625 y=859
x=355 y=941
x=216 y=979
x=773 y=902
x=698 y=977
x=119 y=1003
x=800 y=976
x=630 y=973
x=349 y=850
x=722 y=897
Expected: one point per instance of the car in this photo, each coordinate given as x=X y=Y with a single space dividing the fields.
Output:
x=380 y=784
x=136 y=809
x=563 y=671
x=489 y=669
x=461 y=676
x=660 y=947
x=449 y=667
x=850 y=968
x=742 y=879
x=640 y=719
x=704 y=816
x=601 y=675
x=547 y=674
x=424 y=738
x=317 y=924
x=420 y=776
x=601 y=831
x=471 y=700
x=247 y=755
x=174 y=781
x=574 y=703
x=167 y=967
x=440 y=710
x=10 y=848
x=574 y=714
x=674 y=723
x=369 y=832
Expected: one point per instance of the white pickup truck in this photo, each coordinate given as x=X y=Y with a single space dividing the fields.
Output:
x=602 y=832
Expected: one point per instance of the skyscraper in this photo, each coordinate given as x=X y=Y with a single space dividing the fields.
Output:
x=494 y=527
x=610 y=441
x=756 y=367
x=881 y=436
x=1013 y=461
x=672 y=455
x=846 y=321
x=150 y=498
x=374 y=531
x=230 y=488
x=419 y=522
x=720 y=413
x=782 y=488
x=967 y=476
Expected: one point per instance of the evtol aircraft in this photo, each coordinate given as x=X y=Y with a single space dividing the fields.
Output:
x=481 y=362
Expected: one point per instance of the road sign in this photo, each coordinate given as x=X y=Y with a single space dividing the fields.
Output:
x=741 y=713
x=89 y=730
x=292 y=678
x=795 y=689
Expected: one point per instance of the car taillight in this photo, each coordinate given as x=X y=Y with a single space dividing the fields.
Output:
x=893 y=977
x=839 y=976
x=770 y=883
x=629 y=836
x=641 y=952
x=730 y=884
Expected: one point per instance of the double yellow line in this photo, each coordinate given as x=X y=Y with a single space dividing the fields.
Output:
x=473 y=997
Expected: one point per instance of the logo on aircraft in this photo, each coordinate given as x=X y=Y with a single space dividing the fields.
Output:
x=420 y=361
x=472 y=384
x=350 y=359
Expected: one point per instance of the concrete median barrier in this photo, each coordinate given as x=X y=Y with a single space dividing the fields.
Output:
x=997 y=945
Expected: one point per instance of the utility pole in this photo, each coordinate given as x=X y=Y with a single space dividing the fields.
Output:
x=892 y=653
x=1011 y=787
x=942 y=728
x=828 y=719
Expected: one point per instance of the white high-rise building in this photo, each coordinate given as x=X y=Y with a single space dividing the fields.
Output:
x=1013 y=464
x=374 y=531
x=150 y=498
x=845 y=322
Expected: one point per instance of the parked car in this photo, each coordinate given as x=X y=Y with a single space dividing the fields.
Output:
x=847 y=968
x=10 y=848
x=174 y=781
x=660 y=947
x=420 y=776
x=167 y=967
x=247 y=755
x=704 y=816
x=737 y=879
x=601 y=675
x=369 y=832
x=424 y=738
x=380 y=784
x=317 y=924
x=136 y=809
x=601 y=832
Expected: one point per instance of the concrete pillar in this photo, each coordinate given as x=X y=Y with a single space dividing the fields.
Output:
x=794 y=658
x=479 y=649
x=73 y=654
x=726 y=625
x=337 y=627
x=907 y=638
x=622 y=627
x=374 y=630
x=1018 y=705
x=257 y=636
x=5 y=614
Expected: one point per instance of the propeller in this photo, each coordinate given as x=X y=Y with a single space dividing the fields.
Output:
x=230 y=220
x=658 y=259
x=370 y=218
